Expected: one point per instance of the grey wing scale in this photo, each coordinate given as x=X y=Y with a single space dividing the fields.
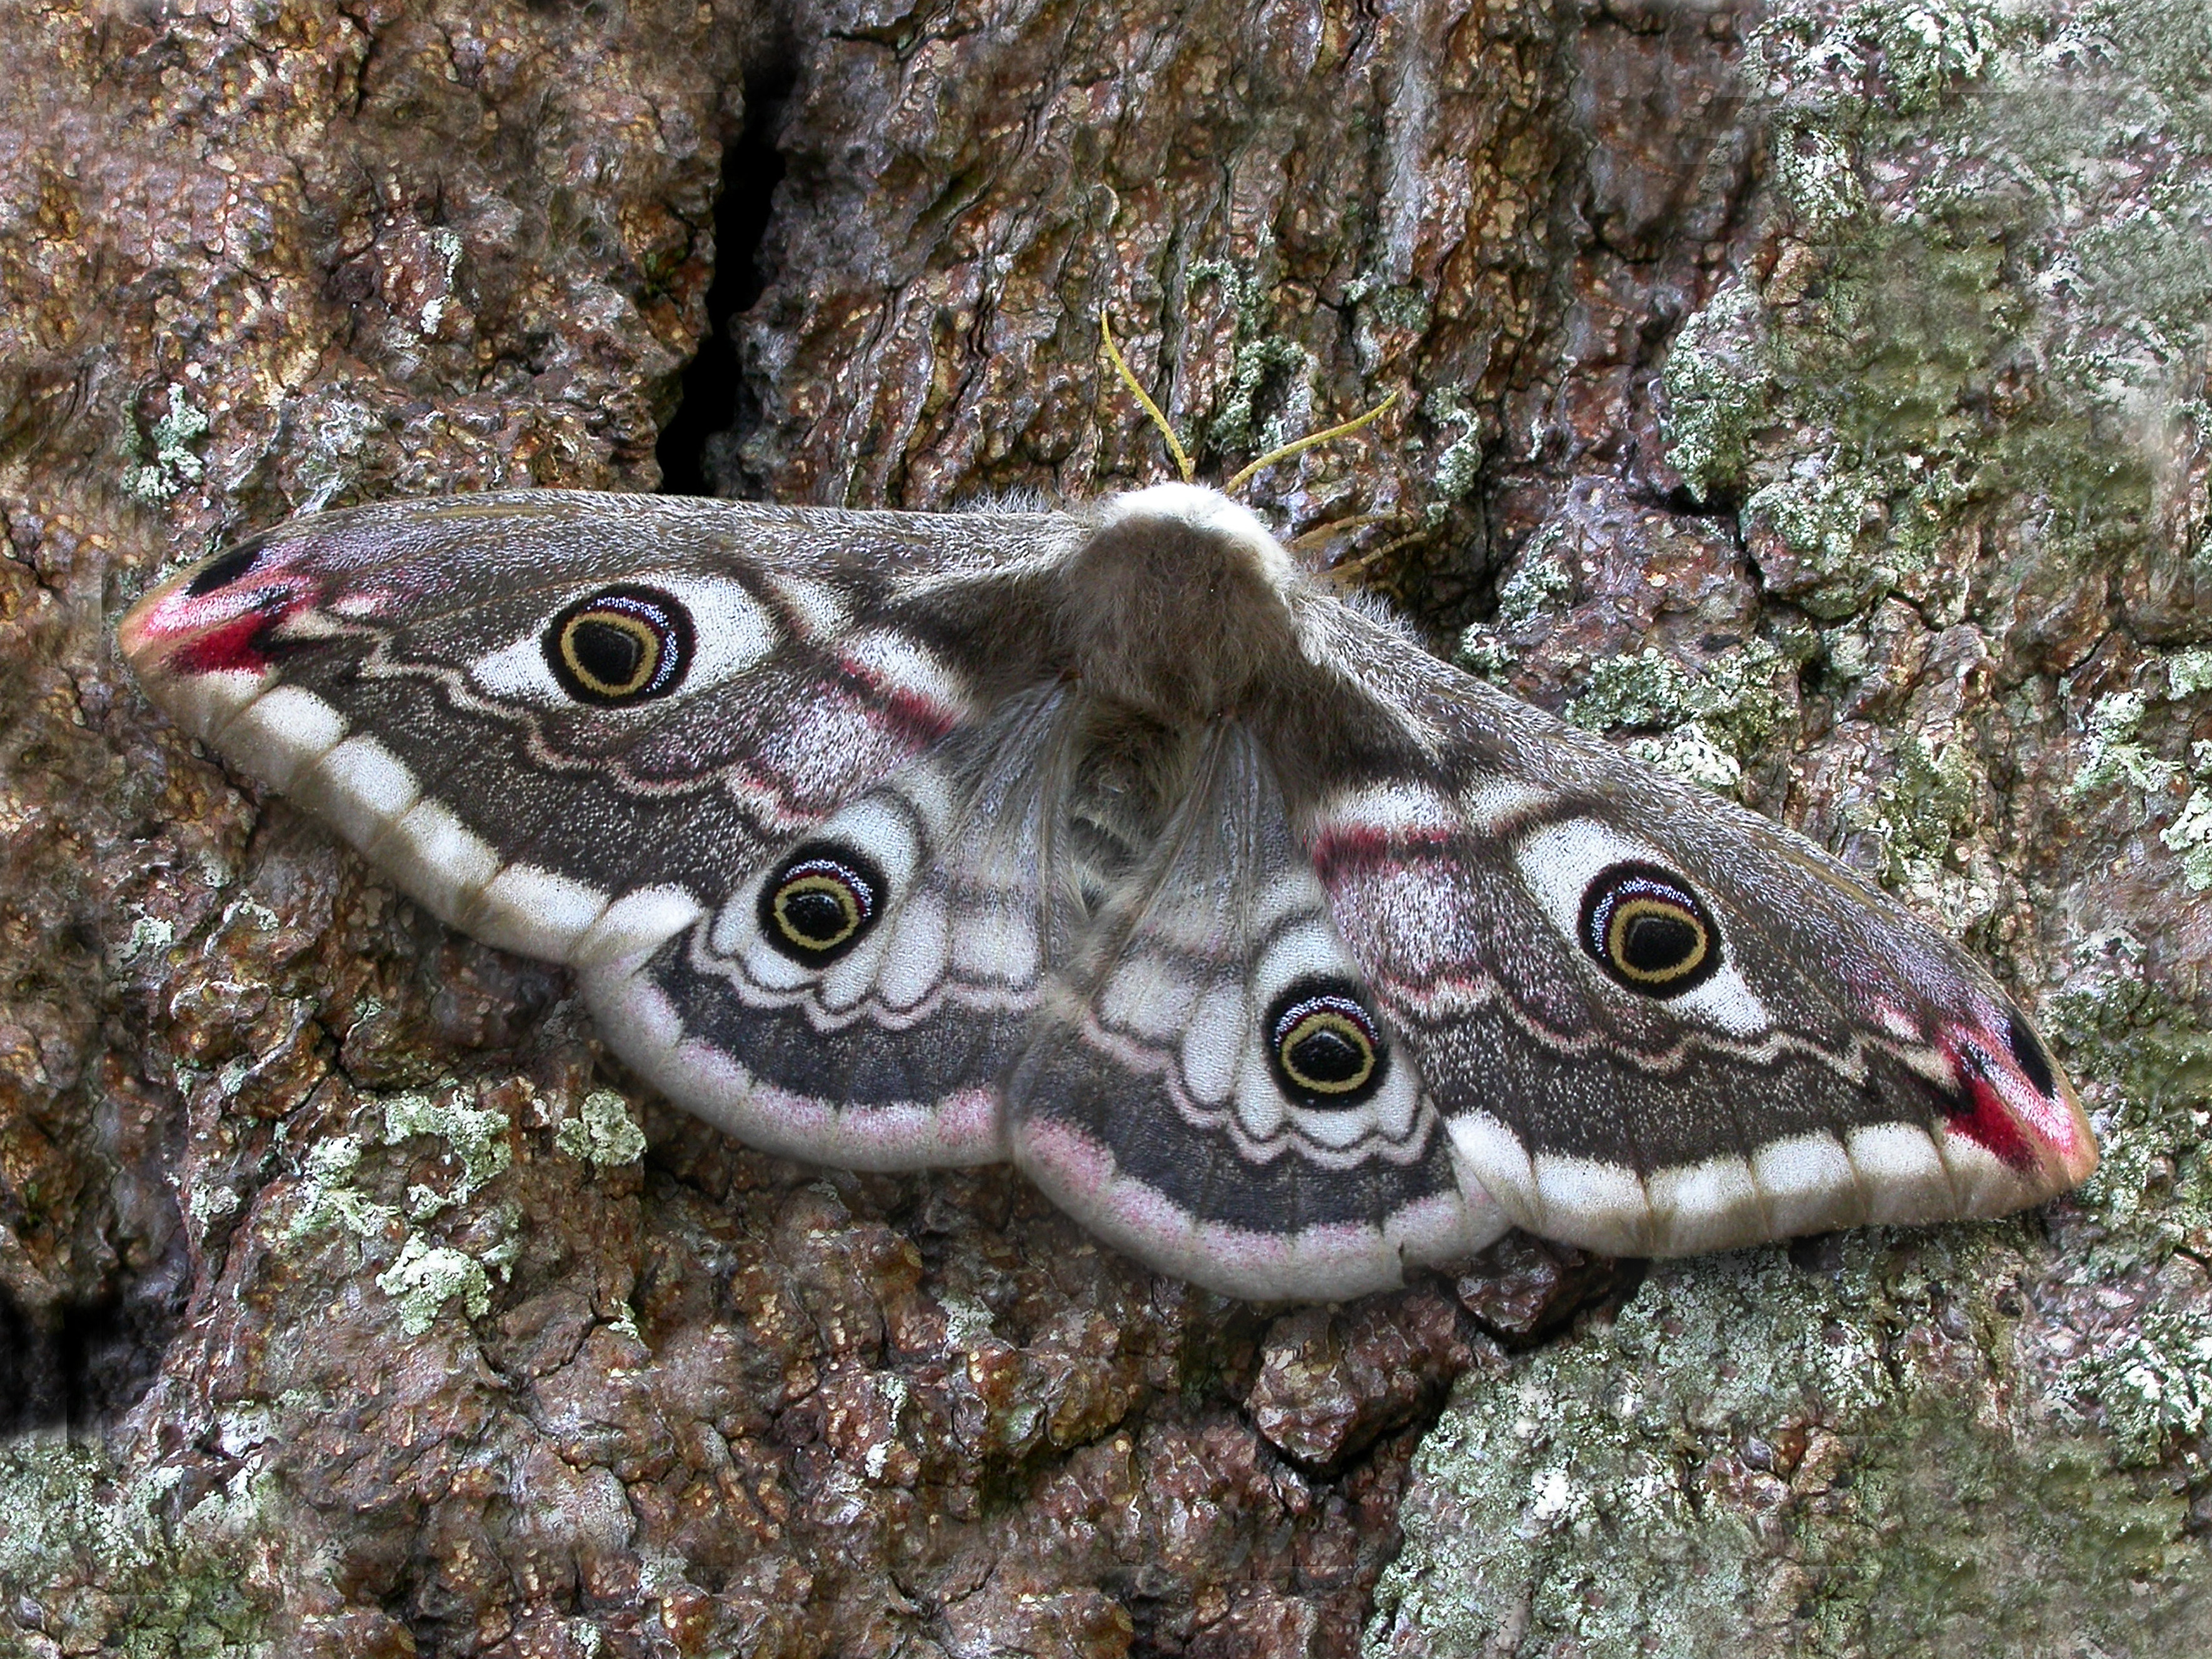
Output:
x=399 y=671
x=388 y=669
x=1277 y=952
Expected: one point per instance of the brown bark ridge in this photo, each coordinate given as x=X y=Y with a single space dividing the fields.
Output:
x=1811 y=395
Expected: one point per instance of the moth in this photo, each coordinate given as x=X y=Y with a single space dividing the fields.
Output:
x=1282 y=955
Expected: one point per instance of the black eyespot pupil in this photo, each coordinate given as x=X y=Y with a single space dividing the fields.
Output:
x=1324 y=1048
x=814 y=915
x=225 y=570
x=1327 y=1056
x=1655 y=943
x=608 y=653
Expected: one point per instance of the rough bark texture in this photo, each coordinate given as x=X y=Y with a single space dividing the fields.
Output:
x=1810 y=394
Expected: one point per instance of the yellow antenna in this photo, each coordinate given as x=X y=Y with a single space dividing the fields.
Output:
x=1182 y=460
x=1345 y=430
x=1184 y=464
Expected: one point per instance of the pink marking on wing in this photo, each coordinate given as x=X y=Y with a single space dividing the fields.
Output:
x=962 y=1129
x=1322 y=1262
x=1980 y=1113
x=920 y=719
x=1340 y=856
x=237 y=645
x=915 y=717
x=2002 y=1110
x=1148 y=1223
x=825 y=746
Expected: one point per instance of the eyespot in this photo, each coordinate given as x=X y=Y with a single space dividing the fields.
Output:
x=1647 y=930
x=1323 y=1046
x=820 y=903
x=620 y=645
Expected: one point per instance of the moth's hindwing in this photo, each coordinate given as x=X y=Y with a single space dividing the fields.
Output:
x=1215 y=1092
x=860 y=998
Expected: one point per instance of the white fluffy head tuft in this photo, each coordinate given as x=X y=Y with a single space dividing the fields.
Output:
x=1211 y=513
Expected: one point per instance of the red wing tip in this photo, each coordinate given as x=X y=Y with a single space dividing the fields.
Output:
x=2009 y=1099
x=207 y=620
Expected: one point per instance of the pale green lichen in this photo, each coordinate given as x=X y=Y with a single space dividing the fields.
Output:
x=109 y=1565
x=1482 y=653
x=2112 y=756
x=2148 y=1059
x=169 y=464
x=2116 y=758
x=623 y=1324
x=1863 y=529
x=212 y=1204
x=2152 y=1190
x=502 y=1255
x=2190 y=835
x=1710 y=720
x=147 y=933
x=2188 y=672
x=1401 y=306
x=2150 y=1384
x=1720 y=389
x=1692 y=753
x=1985 y=340
x=1538 y=577
x=1927 y=807
x=327 y=1197
x=1815 y=172
x=253 y=913
x=1610 y=1497
x=1256 y=358
x=602 y=1132
x=1458 y=468
x=426 y=1276
x=448 y=244
x=1642 y=688
x=1845 y=65
x=1379 y=308
x=478 y=1137
x=966 y=1320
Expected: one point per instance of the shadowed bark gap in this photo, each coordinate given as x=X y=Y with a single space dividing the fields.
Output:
x=86 y=1362
x=698 y=447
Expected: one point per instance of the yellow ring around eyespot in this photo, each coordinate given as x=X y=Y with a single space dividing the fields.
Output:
x=1322 y=1019
x=847 y=904
x=1616 y=939
x=649 y=660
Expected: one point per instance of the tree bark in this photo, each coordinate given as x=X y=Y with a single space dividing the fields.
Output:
x=1809 y=395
